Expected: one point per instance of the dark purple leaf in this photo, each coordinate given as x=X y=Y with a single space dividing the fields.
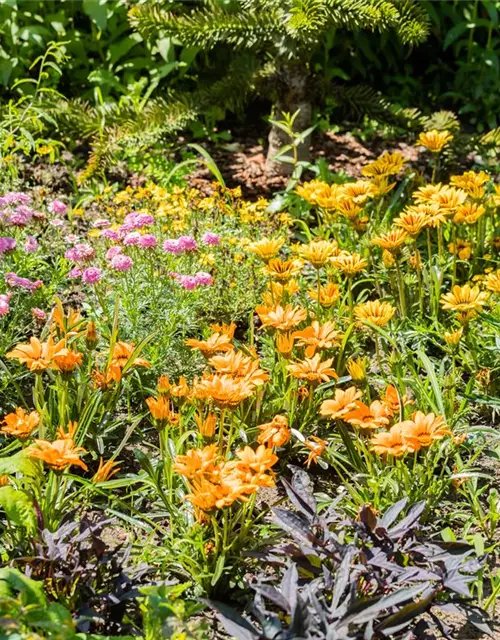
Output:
x=474 y=615
x=392 y=513
x=407 y=523
x=294 y=524
x=297 y=499
x=233 y=622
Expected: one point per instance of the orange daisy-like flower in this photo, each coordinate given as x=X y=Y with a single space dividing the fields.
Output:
x=70 y=324
x=57 y=455
x=434 y=140
x=318 y=252
x=259 y=460
x=67 y=360
x=449 y=198
x=412 y=221
x=207 y=425
x=266 y=248
x=369 y=417
x=313 y=370
x=316 y=447
x=36 y=355
x=393 y=401
x=123 y=353
x=343 y=403
x=223 y=390
x=216 y=343
x=318 y=336
x=275 y=433
x=69 y=432
x=284 y=344
x=20 y=424
x=349 y=263
x=375 y=311
x=328 y=294
x=224 y=329
x=161 y=411
x=382 y=185
x=492 y=281
x=462 y=248
x=358 y=192
x=464 y=299
x=426 y=193
x=468 y=213
x=388 y=164
x=197 y=462
x=348 y=208
x=471 y=182
x=281 y=318
x=316 y=190
x=392 y=240
x=105 y=471
x=422 y=430
x=282 y=270
x=391 y=443
x=239 y=365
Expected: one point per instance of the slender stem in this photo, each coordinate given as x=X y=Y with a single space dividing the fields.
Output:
x=401 y=287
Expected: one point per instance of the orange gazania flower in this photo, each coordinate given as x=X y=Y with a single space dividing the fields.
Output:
x=422 y=430
x=284 y=344
x=492 y=281
x=318 y=336
x=453 y=337
x=449 y=198
x=161 y=411
x=343 y=403
x=275 y=433
x=223 y=390
x=20 y=424
x=57 y=455
x=387 y=164
x=105 y=471
x=281 y=318
x=391 y=443
x=375 y=311
x=392 y=240
x=412 y=221
x=259 y=460
x=373 y=417
x=266 y=248
x=179 y=390
x=239 y=365
x=464 y=299
x=282 y=270
x=348 y=208
x=434 y=140
x=68 y=433
x=37 y=355
x=328 y=294
x=462 y=248
x=67 y=360
x=197 y=462
x=317 y=447
x=163 y=385
x=392 y=400
x=70 y=324
x=318 y=252
x=468 y=213
x=225 y=329
x=313 y=370
x=216 y=343
x=471 y=182
x=359 y=191
x=349 y=263
x=207 y=425
x=122 y=354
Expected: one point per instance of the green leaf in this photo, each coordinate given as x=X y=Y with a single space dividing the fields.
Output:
x=18 y=507
x=97 y=10
x=32 y=591
x=454 y=33
x=209 y=161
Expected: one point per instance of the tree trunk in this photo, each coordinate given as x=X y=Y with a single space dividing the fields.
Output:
x=293 y=93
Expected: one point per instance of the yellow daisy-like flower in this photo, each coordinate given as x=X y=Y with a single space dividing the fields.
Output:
x=449 y=198
x=392 y=240
x=468 y=213
x=464 y=299
x=328 y=294
x=266 y=248
x=493 y=281
x=359 y=191
x=282 y=270
x=388 y=164
x=348 y=208
x=453 y=337
x=471 y=182
x=411 y=221
x=375 y=311
x=318 y=252
x=434 y=140
x=349 y=263
x=462 y=248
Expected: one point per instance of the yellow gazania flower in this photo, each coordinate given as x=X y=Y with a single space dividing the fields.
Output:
x=313 y=370
x=392 y=240
x=449 y=198
x=318 y=336
x=282 y=270
x=20 y=424
x=161 y=411
x=464 y=299
x=356 y=367
x=216 y=343
x=105 y=471
x=375 y=311
x=318 y=252
x=359 y=191
x=468 y=213
x=382 y=185
x=326 y=197
x=339 y=406
x=223 y=390
x=371 y=417
x=462 y=248
x=275 y=433
x=281 y=318
x=492 y=281
x=453 y=337
x=388 y=258
x=328 y=294
x=58 y=454
x=411 y=221
x=496 y=197
x=310 y=190
x=388 y=164
x=284 y=344
x=471 y=182
x=348 y=208
x=423 y=430
x=434 y=140
x=349 y=263
x=37 y=355
x=266 y=248
x=425 y=194
x=316 y=447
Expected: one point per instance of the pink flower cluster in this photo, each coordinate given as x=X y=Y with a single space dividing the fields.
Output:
x=210 y=239
x=7 y=244
x=58 y=207
x=146 y=241
x=134 y=221
x=4 y=304
x=30 y=244
x=14 y=280
x=18 y=217
x=13 y=198
x=200 y=279
x=80 y=253
x=184 y=244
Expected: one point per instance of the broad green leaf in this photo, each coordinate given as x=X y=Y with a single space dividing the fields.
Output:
x=18 y=507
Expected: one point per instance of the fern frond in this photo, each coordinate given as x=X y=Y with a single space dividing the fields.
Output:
x=414 y=23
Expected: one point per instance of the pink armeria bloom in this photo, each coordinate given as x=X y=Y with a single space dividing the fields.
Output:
x=147 y=241
x=21 y=216
x=132 y=238
x=80 y=253
x=210 y=238
x=4 y=304
x=7 y=244
x=14 y=280
x=112 y=252
x=71 y=238
x=122 y=262
x=91 y=275
x=102 y=223
x=172 y=246
x=14 y=197
x=137 y=220
x=110 y=234
x=188 y=282
x=75 y=273
x=38 y=314
x=57 y=207
x=57 y=222
x=204 y=278
x=188 y=243
x=30 y=244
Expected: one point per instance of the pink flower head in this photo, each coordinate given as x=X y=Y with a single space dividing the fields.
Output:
x=112 y=252
x=204 y=278
x=75 y=273
x=122 y=262
x=102 y=223
x=14 y=280
x=21 y=216
x=172 y=246
x=91 y=275
x=14 y=197
x=80 y=253
x=137 y=220
x=7 y=244
x=57 y=207
x=187 y=243
x=57 y=222
x=188 y=282
x=110 y=234
x=71 y=238
x=30 y=244
x=4 y=304
x=132 y=238
x=38 y=314
x=211 y=239
x=147 y=241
